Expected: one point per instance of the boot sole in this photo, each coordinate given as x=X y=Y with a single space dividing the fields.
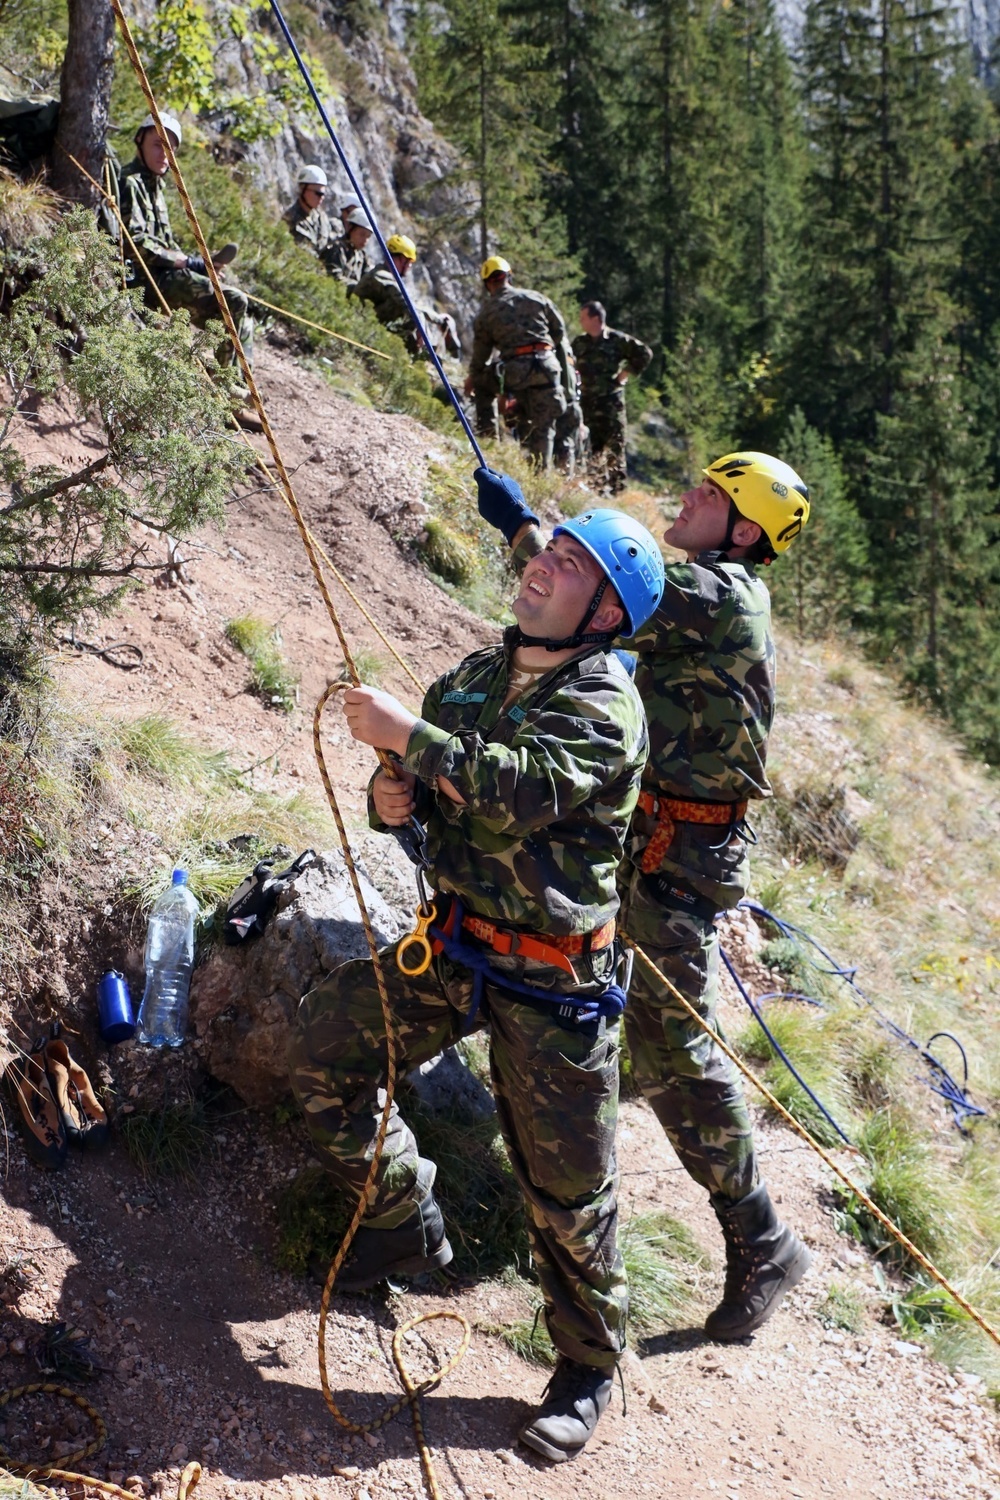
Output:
x=548 y=1450
x=793 y=1275
x=414 y=1266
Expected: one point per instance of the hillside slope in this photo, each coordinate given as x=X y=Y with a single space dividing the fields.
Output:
x=208 y=1351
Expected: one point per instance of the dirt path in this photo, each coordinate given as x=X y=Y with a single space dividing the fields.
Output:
x=211 y=1354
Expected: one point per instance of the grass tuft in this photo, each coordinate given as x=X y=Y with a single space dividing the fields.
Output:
x=811 y=1039
x=155 y=746
x=270 y=676
x=843 y=1307
x=448 y=553
x=169 y=1142
x=905 y=1183
x=662 y=1260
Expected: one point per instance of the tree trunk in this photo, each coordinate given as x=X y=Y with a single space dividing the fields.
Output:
x=85 y=98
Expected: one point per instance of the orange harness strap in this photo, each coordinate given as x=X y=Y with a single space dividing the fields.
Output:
x=668 y=812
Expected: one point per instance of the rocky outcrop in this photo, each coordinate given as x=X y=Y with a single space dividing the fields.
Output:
x=243 y=1000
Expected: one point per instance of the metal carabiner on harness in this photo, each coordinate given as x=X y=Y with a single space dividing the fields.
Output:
x=413 y=839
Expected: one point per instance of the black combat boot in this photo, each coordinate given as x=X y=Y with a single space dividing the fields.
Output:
x=571 y=1408
x=764 y=1260
x=418 y=1244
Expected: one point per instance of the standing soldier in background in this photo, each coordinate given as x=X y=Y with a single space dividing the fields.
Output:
x=180 y=277
x=705 y=673
x=347 y=260
x=307 y=220
x=535 y=361
x=524 y=769
x=379 y=287
x=605 y=358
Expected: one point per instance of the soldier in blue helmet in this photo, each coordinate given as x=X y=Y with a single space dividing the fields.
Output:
x=524 y=768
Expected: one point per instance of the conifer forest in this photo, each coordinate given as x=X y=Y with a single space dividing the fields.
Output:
x=803 y=221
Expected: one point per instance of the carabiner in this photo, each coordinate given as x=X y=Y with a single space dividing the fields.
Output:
x=426 y=915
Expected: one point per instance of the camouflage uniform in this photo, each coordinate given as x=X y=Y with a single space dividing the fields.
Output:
x=345 y=261
x=379 y=287
x=516 y=319
x=600 y=361
x=705 y=673
x=144 y=212
x=549 y=785
x=311 y=227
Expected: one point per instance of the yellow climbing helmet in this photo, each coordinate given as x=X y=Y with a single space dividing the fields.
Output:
x=492 y=266
x=401 y=244
x=764 y=490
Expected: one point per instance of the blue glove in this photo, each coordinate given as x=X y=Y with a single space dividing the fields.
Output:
x=196 y=263
x=502 y=502
x=626 y=658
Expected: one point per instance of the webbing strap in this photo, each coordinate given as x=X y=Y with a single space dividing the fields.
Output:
x=366 y=205
x=568 y=1011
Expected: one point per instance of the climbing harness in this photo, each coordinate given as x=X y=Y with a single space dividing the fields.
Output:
x=660 y=979
x=376 y=229
x=941 y=1081
x=669 y=811
x=569 y=1011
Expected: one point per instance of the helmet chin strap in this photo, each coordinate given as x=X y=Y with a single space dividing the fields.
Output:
x=582 y=636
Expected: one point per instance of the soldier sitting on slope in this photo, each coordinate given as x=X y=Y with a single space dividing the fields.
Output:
x=308 y=222
x=379 y=287
x=180 y=277
x=525 y=768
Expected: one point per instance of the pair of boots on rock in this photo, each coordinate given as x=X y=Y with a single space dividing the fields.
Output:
x=56 y=1104
x=764 y=1260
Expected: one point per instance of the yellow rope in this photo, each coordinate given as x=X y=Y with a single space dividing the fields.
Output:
x=897 y=1234
x=260 y=464
x=296 y=318
x=413 y=1389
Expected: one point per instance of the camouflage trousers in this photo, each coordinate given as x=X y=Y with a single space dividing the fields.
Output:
x=194 y=292
x=606 y=423
x=695 y=1091
x=536 y=384
x=556 y=1094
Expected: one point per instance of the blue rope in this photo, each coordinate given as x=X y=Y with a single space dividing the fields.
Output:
x=776 y=1045
x=365 y=204
x=941 y=1081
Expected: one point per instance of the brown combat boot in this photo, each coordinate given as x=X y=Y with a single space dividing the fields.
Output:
x=764 y=1260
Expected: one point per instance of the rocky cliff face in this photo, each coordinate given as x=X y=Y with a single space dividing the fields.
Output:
x=400 y=159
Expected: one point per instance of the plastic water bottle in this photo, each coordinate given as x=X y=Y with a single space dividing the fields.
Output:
x=169 y=962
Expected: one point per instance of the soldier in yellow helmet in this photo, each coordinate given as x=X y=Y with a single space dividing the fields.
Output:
x=705 y=674
x=520 y=348
x=379 y=287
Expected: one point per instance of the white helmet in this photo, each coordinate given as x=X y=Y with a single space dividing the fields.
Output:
x=312 y=177
x=358 y=219
x=169 y=122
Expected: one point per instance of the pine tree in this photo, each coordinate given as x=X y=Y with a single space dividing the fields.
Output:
x=474 y=83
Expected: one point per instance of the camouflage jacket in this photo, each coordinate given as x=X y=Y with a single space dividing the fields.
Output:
x=513 y=319
x=600 y=360
x=310 y=227
x=345 y=262
x=705 y=673
x=378 y=286
x=145 y=216
x=549 y=785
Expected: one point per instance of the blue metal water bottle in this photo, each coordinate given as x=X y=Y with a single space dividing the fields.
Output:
x=114 y=1008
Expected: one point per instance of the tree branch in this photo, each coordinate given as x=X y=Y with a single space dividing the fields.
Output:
x=58 y=487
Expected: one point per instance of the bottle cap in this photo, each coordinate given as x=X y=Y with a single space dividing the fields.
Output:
x=180 y=877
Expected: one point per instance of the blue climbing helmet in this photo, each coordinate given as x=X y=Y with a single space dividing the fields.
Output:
x=628 y=556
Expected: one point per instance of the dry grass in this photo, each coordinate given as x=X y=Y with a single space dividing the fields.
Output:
x=27 y=209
